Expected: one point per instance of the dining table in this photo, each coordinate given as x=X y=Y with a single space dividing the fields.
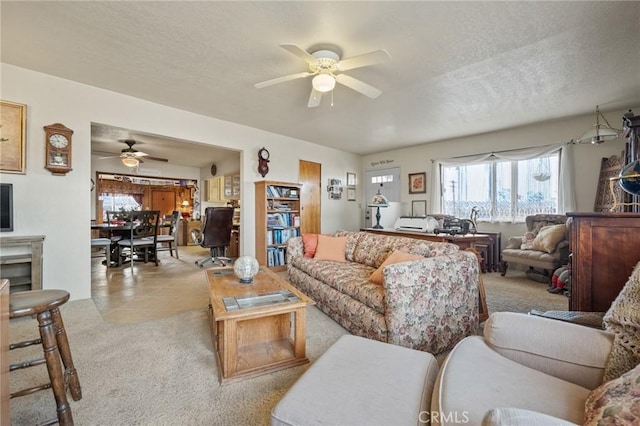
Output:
x=116 y=231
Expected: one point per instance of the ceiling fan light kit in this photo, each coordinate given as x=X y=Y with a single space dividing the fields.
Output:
x=130 y=162
x=323 y=83
x=327 y=69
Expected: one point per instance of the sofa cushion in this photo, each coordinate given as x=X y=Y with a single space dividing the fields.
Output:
x=310 y=242
x=548 y=238
x=331 y=248
x=373 y=249
x=396 y=257
x=352 y=242
x=616 y=402
x=349 y=278
x=501 y=383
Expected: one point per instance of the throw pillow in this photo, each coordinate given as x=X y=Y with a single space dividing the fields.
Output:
x=549 y=237
x=310 y=243
x=331 y=248
x=396 y=257
x=527 y=241
x=616 y=402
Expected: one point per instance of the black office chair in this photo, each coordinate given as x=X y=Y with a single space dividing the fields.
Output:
x=215 y=234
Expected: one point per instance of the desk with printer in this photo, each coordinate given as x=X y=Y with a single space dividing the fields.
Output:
x=444 y=228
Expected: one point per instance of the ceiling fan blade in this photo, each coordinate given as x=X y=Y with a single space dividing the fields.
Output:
x=300 y=53
x=148 y=157
x=371 y=58
x=282 y=79
x=358 y=86
x=314 y=98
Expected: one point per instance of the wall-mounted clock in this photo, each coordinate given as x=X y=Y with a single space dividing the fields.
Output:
x=214 y=170
x=58 y=149
x=263 y=161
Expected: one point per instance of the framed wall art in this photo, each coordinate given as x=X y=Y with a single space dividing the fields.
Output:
x=351 y=179
x=13 y=129
x=351 y=194
x=419 y=208
x=417 y=183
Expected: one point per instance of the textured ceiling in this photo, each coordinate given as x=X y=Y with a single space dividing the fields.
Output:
x=457 y=68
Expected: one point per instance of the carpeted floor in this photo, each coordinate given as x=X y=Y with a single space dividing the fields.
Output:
x=163 y=372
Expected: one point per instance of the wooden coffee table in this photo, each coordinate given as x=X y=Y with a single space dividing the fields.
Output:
x=260 y=329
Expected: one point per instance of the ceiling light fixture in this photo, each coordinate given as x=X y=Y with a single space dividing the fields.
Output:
x=130 y=162
x=323 y=82
x=600 y=132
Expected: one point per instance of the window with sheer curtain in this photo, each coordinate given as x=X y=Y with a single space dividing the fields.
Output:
x=506 y=187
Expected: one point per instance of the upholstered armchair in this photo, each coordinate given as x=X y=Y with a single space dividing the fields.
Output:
x=544 y=244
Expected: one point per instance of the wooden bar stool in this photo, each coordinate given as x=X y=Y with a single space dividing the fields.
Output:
x=44 y=305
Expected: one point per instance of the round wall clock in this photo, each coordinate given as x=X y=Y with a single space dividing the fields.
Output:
x=214 y=170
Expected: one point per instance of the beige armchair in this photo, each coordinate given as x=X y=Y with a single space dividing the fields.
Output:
x=546 y=250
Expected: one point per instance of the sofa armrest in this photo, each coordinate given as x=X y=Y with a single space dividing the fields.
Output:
x=295 y=248
x=432 y=303
x=568 y=351
x=514 y=243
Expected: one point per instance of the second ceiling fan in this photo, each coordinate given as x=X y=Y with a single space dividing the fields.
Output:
x=327 y=68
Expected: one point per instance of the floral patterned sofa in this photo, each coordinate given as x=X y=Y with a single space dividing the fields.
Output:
x=428 y=304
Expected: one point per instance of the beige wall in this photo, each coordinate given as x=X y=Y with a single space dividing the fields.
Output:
x=586 y=157
x=60 y=207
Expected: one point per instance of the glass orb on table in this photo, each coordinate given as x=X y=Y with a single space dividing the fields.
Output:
x=245 y=268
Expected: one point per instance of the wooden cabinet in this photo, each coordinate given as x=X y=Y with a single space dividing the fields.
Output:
x=21 y=262
x=214 y=190
x=604 y=251
x=184 y=231
x=232 y=187
x=277 y=220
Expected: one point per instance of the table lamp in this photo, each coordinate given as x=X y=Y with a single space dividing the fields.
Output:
x=378 y=201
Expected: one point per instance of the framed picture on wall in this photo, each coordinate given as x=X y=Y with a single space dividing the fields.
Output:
x=13 y=154
x=351 y=179
x=417 y=183
x=351 y=194
x=419 y=208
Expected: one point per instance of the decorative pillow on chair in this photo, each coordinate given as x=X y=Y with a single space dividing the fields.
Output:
x=396 y=257
x=549 y=237
x=310 y=243
x=527 y=241
x=616 y=402
x=331 y=248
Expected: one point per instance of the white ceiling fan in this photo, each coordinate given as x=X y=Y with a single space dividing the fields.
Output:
x=132 y=157
x=327 y=68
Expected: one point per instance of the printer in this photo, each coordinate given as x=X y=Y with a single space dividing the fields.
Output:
x=416 y=223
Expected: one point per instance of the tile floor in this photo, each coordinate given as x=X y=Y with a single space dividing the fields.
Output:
x=150 y=292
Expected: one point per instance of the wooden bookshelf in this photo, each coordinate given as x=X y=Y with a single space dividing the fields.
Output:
x=277 y=220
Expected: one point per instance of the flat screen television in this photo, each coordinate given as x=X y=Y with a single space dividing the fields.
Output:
x=6 y=207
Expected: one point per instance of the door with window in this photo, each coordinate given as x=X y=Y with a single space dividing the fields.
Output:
x=387 y=181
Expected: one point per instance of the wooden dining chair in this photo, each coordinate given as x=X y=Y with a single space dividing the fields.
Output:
x=166 y=242
x=142 y=238
x=104 y=245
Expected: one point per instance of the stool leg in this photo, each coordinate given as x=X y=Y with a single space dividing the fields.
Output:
x=52 y=357
x=71 y=375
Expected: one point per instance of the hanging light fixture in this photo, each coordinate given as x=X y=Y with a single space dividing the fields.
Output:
x=130 y=162
x=323 y=82
x=600 y=132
